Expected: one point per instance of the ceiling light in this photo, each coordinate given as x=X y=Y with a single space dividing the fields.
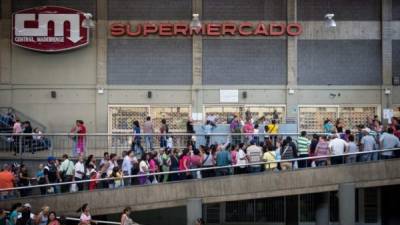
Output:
x=329 y=21
x=88 y=21
x=195 y=23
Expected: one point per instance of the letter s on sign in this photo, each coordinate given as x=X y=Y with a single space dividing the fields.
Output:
x=118 y=29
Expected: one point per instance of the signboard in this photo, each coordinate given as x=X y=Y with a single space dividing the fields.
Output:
x=120 y=29
x=388 y=114
x=49 y=29
x=229 y=96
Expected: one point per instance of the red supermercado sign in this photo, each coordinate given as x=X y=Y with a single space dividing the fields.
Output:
x=207 y=29
x=49 y=29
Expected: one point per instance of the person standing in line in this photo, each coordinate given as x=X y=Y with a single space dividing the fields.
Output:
x=52 y=175
x=125 y=217
x=53 y=219
x=7 y=180
x=43 y=217
x=337 y=148
x=184 y=164
x=269 y=156
x=248 y=131
x=272 y=129
x=207 y=129
x=144 y=169
x=368 y=143
x=254 y=154
x=288 y=152
x=127 y=165
x=79 y=172
x=388 y=141
x=235 y=128
x=303 y=146
x=195 y=163
x=85 y=218
x=241 y=160
x=174 y=164
x=28 y=139
x=17 y=130
x=137 y=139
x=191 y=138
x=166 y=163
x=148 y=128
x=67 y=172
x=352 y=148
x=164 y=130
x=223 y=159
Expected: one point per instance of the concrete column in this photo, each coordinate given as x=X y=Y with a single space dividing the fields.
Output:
x=5 y=42
x=386 y=53
x=291 y=99
x=197 y=63
x=194 y=210
x=322 y=211
x=101 y=67
x=347 y=204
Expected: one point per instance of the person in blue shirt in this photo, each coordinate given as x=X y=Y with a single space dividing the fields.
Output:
x=207 y=129
x=15 y=211
x=223 y=159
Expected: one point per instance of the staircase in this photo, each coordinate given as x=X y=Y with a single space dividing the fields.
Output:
x=6 y=126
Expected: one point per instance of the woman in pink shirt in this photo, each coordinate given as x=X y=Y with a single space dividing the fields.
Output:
x=248 y=130
x=195 y=162
x=153 y=167
x=184 y=164
x=322 y=149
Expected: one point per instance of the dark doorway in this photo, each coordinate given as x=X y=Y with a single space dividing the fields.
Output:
x=292 y=206
x=390 y=202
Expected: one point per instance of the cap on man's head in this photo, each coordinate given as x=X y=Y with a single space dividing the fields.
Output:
x=27 y=205
x=51 y=158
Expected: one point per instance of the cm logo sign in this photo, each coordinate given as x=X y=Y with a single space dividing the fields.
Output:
x=49 y=29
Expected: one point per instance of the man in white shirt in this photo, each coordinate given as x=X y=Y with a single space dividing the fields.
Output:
x=79 y=172
x=254 y=154
x=388 y=141
x=148 y=128
x=368 y=143
x=337 y=146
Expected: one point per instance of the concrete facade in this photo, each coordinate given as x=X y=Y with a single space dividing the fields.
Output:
x=223 y=189
x=362 y=51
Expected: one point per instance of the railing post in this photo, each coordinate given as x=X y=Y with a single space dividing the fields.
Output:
x=20 y=147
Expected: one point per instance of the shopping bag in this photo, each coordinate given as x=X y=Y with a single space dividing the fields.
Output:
x=73 y=188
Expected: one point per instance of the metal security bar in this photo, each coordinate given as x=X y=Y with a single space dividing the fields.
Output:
x=202 y=169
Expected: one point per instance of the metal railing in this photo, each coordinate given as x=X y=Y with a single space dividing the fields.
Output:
x=216 y=168
x=58 y=144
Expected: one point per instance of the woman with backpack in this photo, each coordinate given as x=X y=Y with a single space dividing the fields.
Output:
x=174 y=164
x=288 y=152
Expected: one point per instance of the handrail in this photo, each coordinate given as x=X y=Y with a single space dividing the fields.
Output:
x=158 y=134
x=199 y=169
x=96 y=221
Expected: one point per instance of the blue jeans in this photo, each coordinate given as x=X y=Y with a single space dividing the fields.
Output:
x=163 y=142
x=149 y=142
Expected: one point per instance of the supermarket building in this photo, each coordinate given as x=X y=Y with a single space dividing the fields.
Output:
x=306 y=73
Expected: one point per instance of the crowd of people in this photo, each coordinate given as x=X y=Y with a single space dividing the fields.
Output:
x=247 y=153
x=24 y=214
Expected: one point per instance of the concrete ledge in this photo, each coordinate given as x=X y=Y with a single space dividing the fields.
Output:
x=220 y=189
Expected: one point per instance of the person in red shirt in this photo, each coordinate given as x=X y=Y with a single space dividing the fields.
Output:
x=80 y=145
x=7 y=180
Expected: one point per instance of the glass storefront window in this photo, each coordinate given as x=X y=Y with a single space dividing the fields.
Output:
x=121 y=117
x=354 y=116
x=225 y=114
x=311 y=118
